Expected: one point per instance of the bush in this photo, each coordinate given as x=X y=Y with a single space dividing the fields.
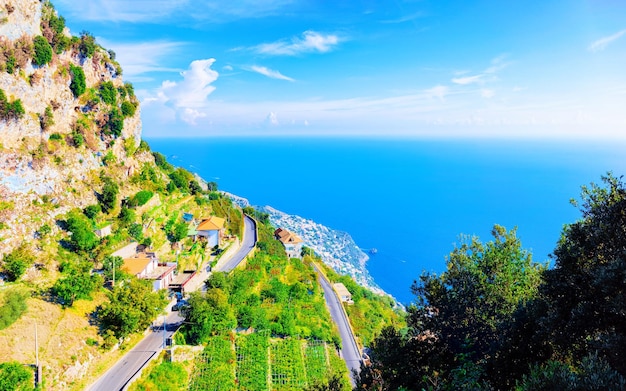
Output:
x=115 y=124
x=46 y=120
x=108 y=93
x=56 y=137
x=92 y=211
x=110 y=190
x=82 y=238
x=161 y=161
x=43 y=51
x=141 y=198
x=16 y=263
x=128 y=109
x=14 y=306
x=87 y=45
x=15 y=376
x=78 y=84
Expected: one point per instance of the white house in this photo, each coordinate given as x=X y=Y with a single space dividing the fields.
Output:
x=104 y=231
x=212 y=229
x=291 y=242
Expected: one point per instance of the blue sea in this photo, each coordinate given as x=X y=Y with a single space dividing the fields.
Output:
x=410 y=199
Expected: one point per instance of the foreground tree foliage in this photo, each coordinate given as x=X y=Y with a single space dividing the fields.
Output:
x=496 y=320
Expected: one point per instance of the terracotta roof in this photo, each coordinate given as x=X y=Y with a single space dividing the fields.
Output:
x=287 y=237
x=213 y=223
x=136 y=265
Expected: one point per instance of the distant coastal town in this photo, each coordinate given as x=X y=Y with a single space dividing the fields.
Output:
x=336 y=248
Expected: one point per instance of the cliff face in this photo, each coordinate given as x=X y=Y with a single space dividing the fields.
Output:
x=51 y=155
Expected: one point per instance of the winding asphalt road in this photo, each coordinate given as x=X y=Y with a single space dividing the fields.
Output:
x=349 y=350
x=119 y=376
x=249 y=241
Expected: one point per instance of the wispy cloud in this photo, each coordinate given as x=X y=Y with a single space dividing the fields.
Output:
x=143 y=57
x=269 y=73
x=309 y=42
x=438 y=92
x=468 y=79
x=603 y=42
x=497 y=64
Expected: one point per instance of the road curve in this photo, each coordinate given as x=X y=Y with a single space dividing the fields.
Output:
x=349 y=350
x=119 y=376
x=248 y=243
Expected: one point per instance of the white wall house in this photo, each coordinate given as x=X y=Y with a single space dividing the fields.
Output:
x=291 y=242
x=212 y=229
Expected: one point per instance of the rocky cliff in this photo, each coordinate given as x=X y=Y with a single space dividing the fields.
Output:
x=51 y=151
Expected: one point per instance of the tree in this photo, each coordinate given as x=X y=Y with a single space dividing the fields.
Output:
x=16 y=263
x=131 y=307
x=208 y=314
x=136 y=231
x=583 y=297
x=108 y=199
x=455 y=325
x=115 y=123
x=77 y=283
x=15 y=376
x=92 y=211
x=179 y=231
x=87 y=45
x=112 y=268
x=108 y=93
x=78 y=84
x=43 y=51
x=13 y=307
x=83 y=238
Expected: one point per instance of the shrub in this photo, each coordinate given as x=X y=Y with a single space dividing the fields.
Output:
x=46 y=120
x=110 y=190
x=87 y=45
x=16 y=263
x=78 y=84
x=15 y=376
x=77 y=138
x=82 y=238
x=92 y=211
x=161 y=162
x=142 y=197
x=108 y=93
x=115 y=123
x=43 y=51
x=128 y=109
x=14 y=306
x=56 y=137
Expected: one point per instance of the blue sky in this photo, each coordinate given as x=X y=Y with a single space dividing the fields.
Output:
x=430 y=68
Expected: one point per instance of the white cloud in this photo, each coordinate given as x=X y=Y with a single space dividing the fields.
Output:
x=193 y=90
x=603 y=42
x=269 y=73
x=310 y=42
x=143 y=57
x=227 y=68
x=468 y=79
x=191 y=116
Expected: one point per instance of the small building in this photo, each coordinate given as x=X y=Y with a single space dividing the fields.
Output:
x=291 y=242
x=140 y=265
x=212 y=229
x=343 y=293
x=104 y=231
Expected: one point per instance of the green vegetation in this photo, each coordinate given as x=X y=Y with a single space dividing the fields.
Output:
x=13 y=306
x=46 y=119
x=108 y=199
x=128 y=109
x=15 y=377
x=115 y=123
x=257 y=363
x=77 y=282
x=131 y=308
x=78 y=84
x=87 y=45
x=141 y=198
x=167 y=376
x=108 y=93
x=82 y=238
x=497 y=320
x=10 y=110
x=16 y=262
x=43 y=51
